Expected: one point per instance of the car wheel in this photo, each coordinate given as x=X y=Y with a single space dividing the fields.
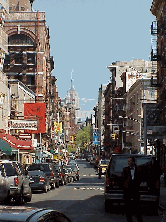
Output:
x=45 y=189
x=20 y=198
x=49 y=187
x=66 y=181
x=53 y=185
x=7 y=200
x=28 y=199
x=57 y=184
x=62 y=182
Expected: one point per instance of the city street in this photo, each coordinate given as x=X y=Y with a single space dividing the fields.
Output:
x=83 y=200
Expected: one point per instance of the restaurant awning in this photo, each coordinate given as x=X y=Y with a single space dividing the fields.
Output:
x=5 y=147
x=16 y=143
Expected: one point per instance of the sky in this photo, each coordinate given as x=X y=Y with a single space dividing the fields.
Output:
x=88 y=35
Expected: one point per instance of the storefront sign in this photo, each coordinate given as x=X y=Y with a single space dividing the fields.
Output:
x=23 y=124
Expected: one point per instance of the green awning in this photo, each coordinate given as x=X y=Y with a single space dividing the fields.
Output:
x=6 y=148
x=52 y=151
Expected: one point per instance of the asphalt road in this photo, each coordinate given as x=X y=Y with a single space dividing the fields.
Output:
x=83 y=200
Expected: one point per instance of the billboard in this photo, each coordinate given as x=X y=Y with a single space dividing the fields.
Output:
x=35 y=111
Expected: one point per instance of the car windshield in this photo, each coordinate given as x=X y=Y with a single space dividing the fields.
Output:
x=10 y=169
x=43 y=167
x=119 y=162
x=104 y=162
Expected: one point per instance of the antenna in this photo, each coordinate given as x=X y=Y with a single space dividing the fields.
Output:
x=71 y=74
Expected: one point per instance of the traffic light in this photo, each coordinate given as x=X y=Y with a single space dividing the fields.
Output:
x=113 y=136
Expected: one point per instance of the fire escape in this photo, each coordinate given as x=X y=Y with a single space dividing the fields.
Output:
x=154 y=53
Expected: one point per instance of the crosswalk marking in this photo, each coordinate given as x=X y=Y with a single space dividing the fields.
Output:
x=88 y=188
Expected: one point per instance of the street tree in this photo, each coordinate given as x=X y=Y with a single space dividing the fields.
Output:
x=83 y=137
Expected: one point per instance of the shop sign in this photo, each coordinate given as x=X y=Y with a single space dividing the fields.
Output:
x=23 y=124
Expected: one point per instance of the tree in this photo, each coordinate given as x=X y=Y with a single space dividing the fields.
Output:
x=83 y=137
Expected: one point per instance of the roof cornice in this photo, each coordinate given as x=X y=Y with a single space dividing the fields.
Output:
x=155 y=6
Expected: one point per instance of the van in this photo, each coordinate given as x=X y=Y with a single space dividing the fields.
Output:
x=149 y=184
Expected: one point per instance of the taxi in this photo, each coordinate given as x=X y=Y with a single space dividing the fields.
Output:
x=103 y=165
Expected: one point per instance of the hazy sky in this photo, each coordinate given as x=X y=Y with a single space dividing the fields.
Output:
x=88 y=35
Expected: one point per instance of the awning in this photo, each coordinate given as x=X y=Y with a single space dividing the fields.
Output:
x=52 y=151
x=5 y=147
x=16 y=143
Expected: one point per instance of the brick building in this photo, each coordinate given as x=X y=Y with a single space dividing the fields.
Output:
x=29 y=59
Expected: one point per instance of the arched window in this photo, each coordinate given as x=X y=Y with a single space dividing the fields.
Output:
x=20 y=39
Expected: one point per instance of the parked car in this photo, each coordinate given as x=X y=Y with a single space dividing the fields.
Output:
x=18 y=179
x=4 y=187
x=49 y=170
x=39 y=181
x=31 y=214
x=75 y=170
x=72 y=162
x=103 y=164
x=71 y=174
x=61 y=174
x=149 y=186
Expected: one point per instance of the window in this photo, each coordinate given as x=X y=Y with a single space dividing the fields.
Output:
x=31 y=57
x=30 y=80
x=20 y=39
x=18 y=58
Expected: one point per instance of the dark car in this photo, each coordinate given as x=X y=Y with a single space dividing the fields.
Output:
x=49 y=170
x=75 y=170
x=39 y=181
x=149 y=188
x=61 y=172
x=30 y=214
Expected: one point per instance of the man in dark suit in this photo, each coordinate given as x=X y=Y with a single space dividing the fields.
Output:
x=131 y=183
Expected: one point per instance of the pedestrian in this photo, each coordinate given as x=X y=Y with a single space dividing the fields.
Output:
x=131 y=179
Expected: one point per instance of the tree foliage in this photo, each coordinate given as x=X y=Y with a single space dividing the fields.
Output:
x=83 y=137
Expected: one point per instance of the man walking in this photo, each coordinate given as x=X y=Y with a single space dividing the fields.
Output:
x=131 y=183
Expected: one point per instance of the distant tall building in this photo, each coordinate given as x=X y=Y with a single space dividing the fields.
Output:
x=19 y=5
x=72 y=99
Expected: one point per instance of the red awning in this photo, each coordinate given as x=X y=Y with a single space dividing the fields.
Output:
x=15 y=143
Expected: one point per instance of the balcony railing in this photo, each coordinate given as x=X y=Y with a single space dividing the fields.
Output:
x=3 y=40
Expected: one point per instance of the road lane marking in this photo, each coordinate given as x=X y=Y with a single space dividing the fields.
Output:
x=88 y=188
